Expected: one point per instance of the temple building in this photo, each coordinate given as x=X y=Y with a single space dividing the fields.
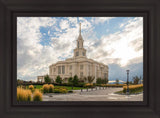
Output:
x=78 y=65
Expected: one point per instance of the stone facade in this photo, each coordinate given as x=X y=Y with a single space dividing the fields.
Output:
x=78 y=65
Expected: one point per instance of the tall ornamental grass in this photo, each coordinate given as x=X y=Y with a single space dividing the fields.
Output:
x=51 y=88
x=45 y=88
x=31 y=87
x=48 y=88
x=37 y=95
x=88 y=85
x=133 y=88
x=23 y=94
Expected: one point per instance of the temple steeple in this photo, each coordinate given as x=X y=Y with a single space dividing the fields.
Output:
x=79 y=51
x=80 y=39
x=79 y=28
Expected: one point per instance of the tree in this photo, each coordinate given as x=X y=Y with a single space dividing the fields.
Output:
x=70 y=80
x=47 y=79
x=117 y=81
x=75 y=80
x=90 y=79
x=59 y=80
x=99 y=81
x=136 y=80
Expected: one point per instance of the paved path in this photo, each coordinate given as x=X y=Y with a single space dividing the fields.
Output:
x=93 y=95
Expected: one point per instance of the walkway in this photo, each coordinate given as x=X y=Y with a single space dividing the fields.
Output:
x=93 y=95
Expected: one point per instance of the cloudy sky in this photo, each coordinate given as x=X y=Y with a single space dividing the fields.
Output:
x=115 y=41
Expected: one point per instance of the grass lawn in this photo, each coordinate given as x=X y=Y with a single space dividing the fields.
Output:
x=68 y=87
x=135 y=92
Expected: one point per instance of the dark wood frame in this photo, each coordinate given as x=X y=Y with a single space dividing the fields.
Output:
x=10 y=9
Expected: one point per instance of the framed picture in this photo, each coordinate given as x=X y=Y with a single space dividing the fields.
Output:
x=79 y=59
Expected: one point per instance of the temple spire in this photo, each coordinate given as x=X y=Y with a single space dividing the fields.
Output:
x=79 y=28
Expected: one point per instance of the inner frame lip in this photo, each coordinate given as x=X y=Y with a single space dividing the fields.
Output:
x=143 y=14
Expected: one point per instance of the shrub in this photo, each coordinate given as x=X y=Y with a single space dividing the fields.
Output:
x=60 y=90
x=23 y=95
x=45 y=88
x=51 y=88
x=70 y=91
x=37 y=96
x=31 y=87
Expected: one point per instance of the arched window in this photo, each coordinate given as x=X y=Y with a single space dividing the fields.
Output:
x=78 y=44
x=77 y=53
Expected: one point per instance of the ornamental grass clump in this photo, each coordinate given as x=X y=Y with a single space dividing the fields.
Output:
x=31 y=87
x=115 y=85
x=45 y=88
x=23 y=94
x=37 y=95
x=88 y=85
x=133 y=88
x=51 y=88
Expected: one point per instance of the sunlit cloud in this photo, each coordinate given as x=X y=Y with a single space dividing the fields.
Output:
x=42 y=41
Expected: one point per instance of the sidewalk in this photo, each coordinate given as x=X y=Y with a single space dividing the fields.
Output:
x=93 y=95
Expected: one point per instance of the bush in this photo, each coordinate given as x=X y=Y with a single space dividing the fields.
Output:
x=70 y=91
x=60 y=90
x=23 y=95
x=37 y=96
x=31 y=87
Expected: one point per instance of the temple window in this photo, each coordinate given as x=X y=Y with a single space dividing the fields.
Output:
x=81 y=67
x=77 y=53
x=63 y=69
x=59 y=69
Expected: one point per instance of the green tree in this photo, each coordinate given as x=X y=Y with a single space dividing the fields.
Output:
x=75 y=80
x=70 y=80
x=136 y=80
x=90 y=79
x=99 y=81
x=59 y=80
x=117 y=81
x=47 y=79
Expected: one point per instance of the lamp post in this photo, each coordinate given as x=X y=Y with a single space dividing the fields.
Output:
x=127 y=81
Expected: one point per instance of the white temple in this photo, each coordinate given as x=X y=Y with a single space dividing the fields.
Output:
x=78 y=65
